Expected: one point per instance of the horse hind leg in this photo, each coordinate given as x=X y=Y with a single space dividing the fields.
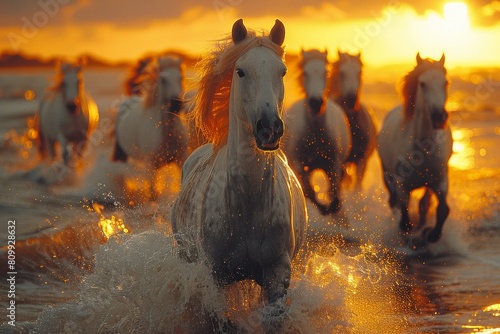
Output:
x=119 y=154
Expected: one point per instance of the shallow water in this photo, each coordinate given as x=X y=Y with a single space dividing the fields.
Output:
x=93 y=255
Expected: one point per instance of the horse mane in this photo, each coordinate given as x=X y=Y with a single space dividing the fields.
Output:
x=344 y=57
x=410 y=84
x=132 y=84
x=150 y=79
x=214 y=79
x=311 y=54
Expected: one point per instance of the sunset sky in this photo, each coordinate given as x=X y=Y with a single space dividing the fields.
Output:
x=386 y=32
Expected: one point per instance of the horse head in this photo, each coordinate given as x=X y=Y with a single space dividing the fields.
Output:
x=432 y=90
x=170 y=85
x=346 y=79
x=314 y=65
x=257 y=83
x=70 y=84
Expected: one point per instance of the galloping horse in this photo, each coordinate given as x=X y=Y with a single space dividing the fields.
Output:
x=345 y=85
x=318 y=135
x=148 y=128
x=415 y=145
x=241 y=208
x=67 y=115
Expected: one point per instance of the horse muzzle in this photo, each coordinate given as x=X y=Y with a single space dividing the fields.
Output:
x=439 y=119
x=349 y=101
x=175 y=105
x=268 y=133
x=71 y=107
x=315 y=104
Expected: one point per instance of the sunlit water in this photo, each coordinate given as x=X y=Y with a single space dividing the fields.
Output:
x=94 y=255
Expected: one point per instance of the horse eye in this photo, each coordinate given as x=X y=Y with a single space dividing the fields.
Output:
x=422 y=85
x=240 y=73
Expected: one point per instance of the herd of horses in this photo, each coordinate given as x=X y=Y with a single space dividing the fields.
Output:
x=242 y=203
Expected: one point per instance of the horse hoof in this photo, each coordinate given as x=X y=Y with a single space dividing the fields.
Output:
x=433 y=236
x=405 y=226
x=334 y=206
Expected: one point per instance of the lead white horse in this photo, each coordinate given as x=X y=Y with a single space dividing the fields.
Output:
x=415 y=145
x=148 y=127
x=241 y=208
x=67 y=115
x=318 y=135
x=345 y=86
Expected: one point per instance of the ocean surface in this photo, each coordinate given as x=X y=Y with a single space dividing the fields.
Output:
x=94 y=255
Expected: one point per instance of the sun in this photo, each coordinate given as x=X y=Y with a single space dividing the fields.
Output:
x=456 y=15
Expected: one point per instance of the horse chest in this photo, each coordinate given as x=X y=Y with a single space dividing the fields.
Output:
x=316 y=147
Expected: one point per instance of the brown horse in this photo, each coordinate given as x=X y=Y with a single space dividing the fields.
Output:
x=345 y=85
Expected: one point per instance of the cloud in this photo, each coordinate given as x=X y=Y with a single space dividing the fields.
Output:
x=132 y=12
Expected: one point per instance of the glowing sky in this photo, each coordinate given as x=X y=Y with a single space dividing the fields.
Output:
x=386 y=32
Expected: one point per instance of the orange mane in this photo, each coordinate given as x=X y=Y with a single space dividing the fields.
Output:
x=215 y=72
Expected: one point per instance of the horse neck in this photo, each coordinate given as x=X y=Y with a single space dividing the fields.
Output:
x=243 y=158
x=421 y=123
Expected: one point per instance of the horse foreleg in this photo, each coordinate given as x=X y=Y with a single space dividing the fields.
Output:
x=333 y=175
x=442 y=212
x=276 y=278
x=423 y=207
x=118 y=153
x=360 y=173
x=51 y=149
x=390 y=184
x=404 y=223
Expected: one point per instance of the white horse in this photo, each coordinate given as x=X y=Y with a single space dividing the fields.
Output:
x=148 y=127
x=415 y=145
x=345 y=84
x=241 y=208
x=318 y=135
x=67 y=115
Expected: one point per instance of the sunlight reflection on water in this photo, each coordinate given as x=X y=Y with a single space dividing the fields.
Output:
x=463 y=154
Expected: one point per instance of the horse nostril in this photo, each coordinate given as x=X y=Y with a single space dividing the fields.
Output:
x=278 y=127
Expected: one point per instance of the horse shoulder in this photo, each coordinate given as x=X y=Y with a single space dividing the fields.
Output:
x=201 y=153
x=295 y=128
x=290 y=186
x=338 y=124
x=390 y=140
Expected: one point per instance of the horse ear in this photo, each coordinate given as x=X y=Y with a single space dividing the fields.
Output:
x=239 y=31
x=419 y=59
x=278 y=33
x=441 y=61
x=339 y=54
x=326 y=52
x=359 y=54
